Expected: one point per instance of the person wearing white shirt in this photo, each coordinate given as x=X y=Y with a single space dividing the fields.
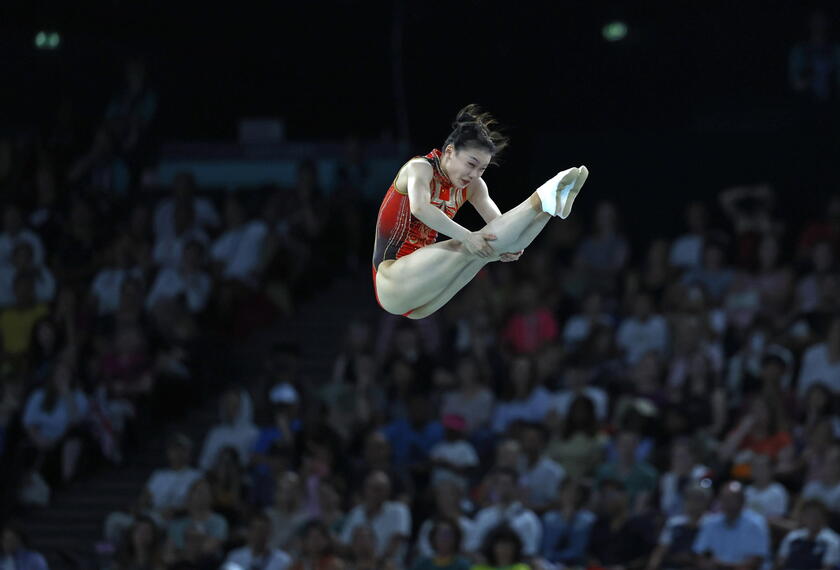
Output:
x=577 y=328
x=734 y=536
x=390 y=520
x=813 y=546
x=230 y=433
x=169 y=487
x=539 y=475
x=14 y=233
x=168 y=251
x=106 y=289
x=684 y=472
x=765 y=495
x=449 y=504
x=821 y=362
x=238 y=250
x=576 y=383
x=204 y=211
x=187 y=280
x=23 y=261
x=453 y=456
x=257 y=554
x=643 y=331
x=507 y=509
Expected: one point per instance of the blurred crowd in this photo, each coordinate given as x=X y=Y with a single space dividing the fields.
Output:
x=604 y=402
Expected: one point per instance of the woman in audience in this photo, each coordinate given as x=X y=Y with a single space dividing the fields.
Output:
x=502 y=551
x=445 y=539
x=142 y=547
x=316 y=549
x=579 y=445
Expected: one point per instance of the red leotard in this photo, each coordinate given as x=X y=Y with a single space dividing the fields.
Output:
x=398 y=232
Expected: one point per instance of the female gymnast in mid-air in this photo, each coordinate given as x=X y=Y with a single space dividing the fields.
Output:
x=413 y=275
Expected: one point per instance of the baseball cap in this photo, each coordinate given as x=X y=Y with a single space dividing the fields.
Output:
x=283 y=393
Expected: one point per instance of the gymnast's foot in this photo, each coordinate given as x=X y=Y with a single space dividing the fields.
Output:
x=566 y=194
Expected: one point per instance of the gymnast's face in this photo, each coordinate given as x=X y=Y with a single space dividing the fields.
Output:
x=465 y=165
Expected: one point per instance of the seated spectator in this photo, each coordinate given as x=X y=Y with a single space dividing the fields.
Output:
x=577 y=444
x=376 y=456
x=653 y=277
x=687 y=250
x=509 y=510
x=361 y=554
x=567 y=526
x=685 y=471
x=525 y=399
x=14 y=232
x=733 y=537
x=454 y=457
x=714 y=275
x=238 y=250
x=637 y=478
x=106 y=289
x=184 y=279
x=445 y=541
x=23 y=262
x=826 y=487
x=389 y=520
x=413 y=438
x=18 y=320
x=774 y=280
x=126 y=367
x=49 y=339
x=170 y=486
x=674 y=550
x=765 y=495
x=762 y=430
x=531 y=326
x=283 y=431
x=618 y=537
x=643 y=331
x=330 y=501
x=184 y=196
x=606 y=251
x=503 y=550
x=539 y=475
x=141 y=548
x=821 y=362
x=230 y=432
x=228 y=484
x=471 y=399
x=814 y=545
x=53 y=417
x=577 y=381
x=316 y=549
x=288 y=514
x=808 y=293
x=579 y=326
x=257 y=553
x=201 y=532
x=450 y=506
x=15 y=550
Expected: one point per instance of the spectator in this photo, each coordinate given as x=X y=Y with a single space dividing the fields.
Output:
x=687 y=250
x=808 y=293
x=257 y=553
x=22 y=261
x=685 y=472
x=449 y=506
x=540 y=476
x=643 y=332
x=765 y=495
x=674 y=550
x=532 y=326
x=734 y=536
x=578 y=445
x=525 y=399
x=821 y=362
x=637 y=478
x=14 y=232
x=187 y=280
x=316 y=552
x=237 y=251
x=506 y=510
x=454 y=457
x=763 y=429
x=579 y=326
x=814 y=545
x=826 y=487
x=471 y=400
x=106 y=288
x=653 y=278
x=413 y=438
x=618 y=537
x=228 y=485
x=229 y=432
x=17 y=321
x=16 y=553
x=577 y=382
x=567 y=526
x=142 y=547
x=503 y=550
x=605 y=252
x=289 y=512
x=714 y=275
x=170 y=211
x=201 y=532
x=445 y=540
x=362 y=552
x=389 y=520
x=169 y=487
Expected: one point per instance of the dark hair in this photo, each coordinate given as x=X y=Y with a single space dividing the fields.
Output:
x=125 y=553
x=817 y=505
x=473 y=127
x=502 y=533
x=589 y=425
x=439 y=522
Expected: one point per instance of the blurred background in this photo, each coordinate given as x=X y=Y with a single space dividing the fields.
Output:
x=194 y=369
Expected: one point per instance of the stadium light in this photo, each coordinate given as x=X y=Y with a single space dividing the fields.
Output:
x=614 y=31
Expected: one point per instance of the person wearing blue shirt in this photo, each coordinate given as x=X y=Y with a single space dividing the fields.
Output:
x=566 y=529
x=735 y=537
x=412 y=439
